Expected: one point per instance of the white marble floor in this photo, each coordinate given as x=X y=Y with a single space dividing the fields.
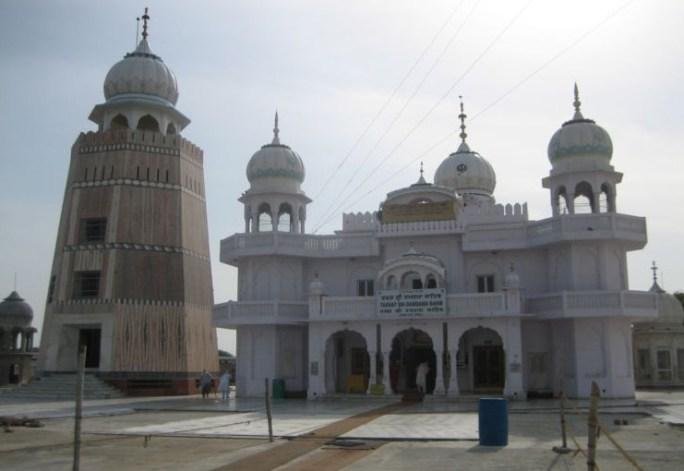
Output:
x=460 y=426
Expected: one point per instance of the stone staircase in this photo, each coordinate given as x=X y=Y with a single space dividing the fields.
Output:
x=60 y=387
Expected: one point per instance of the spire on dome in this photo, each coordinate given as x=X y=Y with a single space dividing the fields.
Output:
x=462 y=117
x=577 y=103
x=145 y=17
x=655 y=288
x=276 y=131
x=421 y=180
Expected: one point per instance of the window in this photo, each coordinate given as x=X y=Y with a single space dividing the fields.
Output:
x=86 y=284
x=664 y=363
x=93 y=229
x=365 y=288
x=431 y=282
x=485 y=283
x=680 y=363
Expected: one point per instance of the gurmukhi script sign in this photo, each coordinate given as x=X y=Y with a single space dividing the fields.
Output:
x=412 y=302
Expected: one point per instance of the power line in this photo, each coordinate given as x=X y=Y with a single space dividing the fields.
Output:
x=389 y=100
x=431 y=110
x=495 y=102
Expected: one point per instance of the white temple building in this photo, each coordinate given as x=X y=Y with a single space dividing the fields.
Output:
x=494 y=302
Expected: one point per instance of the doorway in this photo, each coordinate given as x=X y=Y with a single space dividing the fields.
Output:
x=480 y=362
x=410 y=348
x=90 y=338
x=488 y=368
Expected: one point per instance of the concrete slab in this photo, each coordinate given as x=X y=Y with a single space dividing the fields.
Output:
x=462 y=426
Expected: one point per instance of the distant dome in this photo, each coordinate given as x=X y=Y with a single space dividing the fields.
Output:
x=580 y=138
x=466 y=171
x=670 y=309
x=14 y=310
x=141 y=72
x=276 y=165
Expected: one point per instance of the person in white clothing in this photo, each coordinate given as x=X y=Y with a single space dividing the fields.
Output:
x=224 y=385
x=421 y=376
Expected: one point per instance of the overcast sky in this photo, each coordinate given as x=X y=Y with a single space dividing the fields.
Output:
x=329 y=67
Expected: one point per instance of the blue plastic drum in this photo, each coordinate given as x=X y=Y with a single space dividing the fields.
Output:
x=493 y=421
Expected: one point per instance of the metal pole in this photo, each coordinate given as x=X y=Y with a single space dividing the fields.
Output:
x=562 y=418
x=268 y=411
x=79 y=405
x=592 y=423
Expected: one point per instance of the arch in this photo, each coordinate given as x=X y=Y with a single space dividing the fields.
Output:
x=411 y=280
x=561 y=200
x=171 y=129
x=16 y=339
x=14 y=373
x=410 y=348
x=391 y=282
x=285 y=219
x=583 y=200
x=430 y=281
x=607 y=199
x=148 y=123
x=264 y=218
x=347 y=363
x=480 y=361
x=119 y=122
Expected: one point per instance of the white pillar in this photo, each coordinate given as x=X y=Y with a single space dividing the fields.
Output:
x=439 y=374
x=453 y=378
x=385 y=373
x=373 y=376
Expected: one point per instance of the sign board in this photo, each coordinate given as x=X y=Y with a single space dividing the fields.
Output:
x=440 y=211
x=412 y=302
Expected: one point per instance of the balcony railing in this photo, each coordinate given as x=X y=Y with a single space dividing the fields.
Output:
x=235 y=313
x=594 y=304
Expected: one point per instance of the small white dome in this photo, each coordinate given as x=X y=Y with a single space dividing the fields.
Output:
x=141 y=72
x=276 y=166
x=580 y=139
x=670 y=309
x=465 y=172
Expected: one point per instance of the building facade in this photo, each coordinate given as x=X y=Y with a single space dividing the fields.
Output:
x=492 y=301
x=131 y=276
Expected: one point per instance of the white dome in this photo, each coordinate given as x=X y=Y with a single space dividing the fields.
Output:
x=466 y=171
x=276 y=167
x=141 y=72
x=579 y=140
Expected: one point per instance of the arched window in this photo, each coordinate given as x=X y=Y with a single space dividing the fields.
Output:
x=148 y=123
x=264 y=218
x=119 y=122
x=391 y=282
x=584 y=198
x=411 y=280
x=285 y=218
x=16 y=344
x=431 y=282
x=561 y=201
x=170 y=129
x=606 y=200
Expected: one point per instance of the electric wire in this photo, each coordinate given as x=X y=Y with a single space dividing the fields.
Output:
x=408 y=101
x=492 y=104
x=430 y=111
x=389 y=99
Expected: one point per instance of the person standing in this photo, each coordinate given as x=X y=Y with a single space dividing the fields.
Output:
x=421 y=376
x=224 y=385
x=205 y=383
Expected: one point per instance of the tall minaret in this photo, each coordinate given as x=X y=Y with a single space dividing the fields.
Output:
x=131 y=276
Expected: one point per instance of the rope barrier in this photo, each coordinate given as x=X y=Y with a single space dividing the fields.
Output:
x=622 y=451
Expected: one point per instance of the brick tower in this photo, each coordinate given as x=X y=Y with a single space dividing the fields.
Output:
x=131 y=275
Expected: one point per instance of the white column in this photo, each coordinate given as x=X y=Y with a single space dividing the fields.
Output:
x=373 y=376
x=439 y=374
x=385 y=373
x=453 y=378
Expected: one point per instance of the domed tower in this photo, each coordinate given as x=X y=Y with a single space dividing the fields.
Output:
x=131 y=277
x=16 y=340
x=580 y=153
x=467 y=173
x=275 y=200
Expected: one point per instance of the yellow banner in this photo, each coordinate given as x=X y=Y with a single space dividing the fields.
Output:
x=418 y=212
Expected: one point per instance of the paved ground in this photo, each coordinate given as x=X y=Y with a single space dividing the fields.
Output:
x=195 y=434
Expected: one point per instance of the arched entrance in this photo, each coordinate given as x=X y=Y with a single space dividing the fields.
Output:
x=480 y=362
x=410 y=348
x=347 y=365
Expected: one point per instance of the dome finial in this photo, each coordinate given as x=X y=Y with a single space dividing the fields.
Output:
x=577 y=103
x=421 y=180
x=276 y=131
x=655 y=287
x=145 y=17
x=462 y=117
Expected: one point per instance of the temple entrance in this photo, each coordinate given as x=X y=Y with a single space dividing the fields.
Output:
x=410 y=348
x=347 y=364
x=90 y=338
x=480 y=362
